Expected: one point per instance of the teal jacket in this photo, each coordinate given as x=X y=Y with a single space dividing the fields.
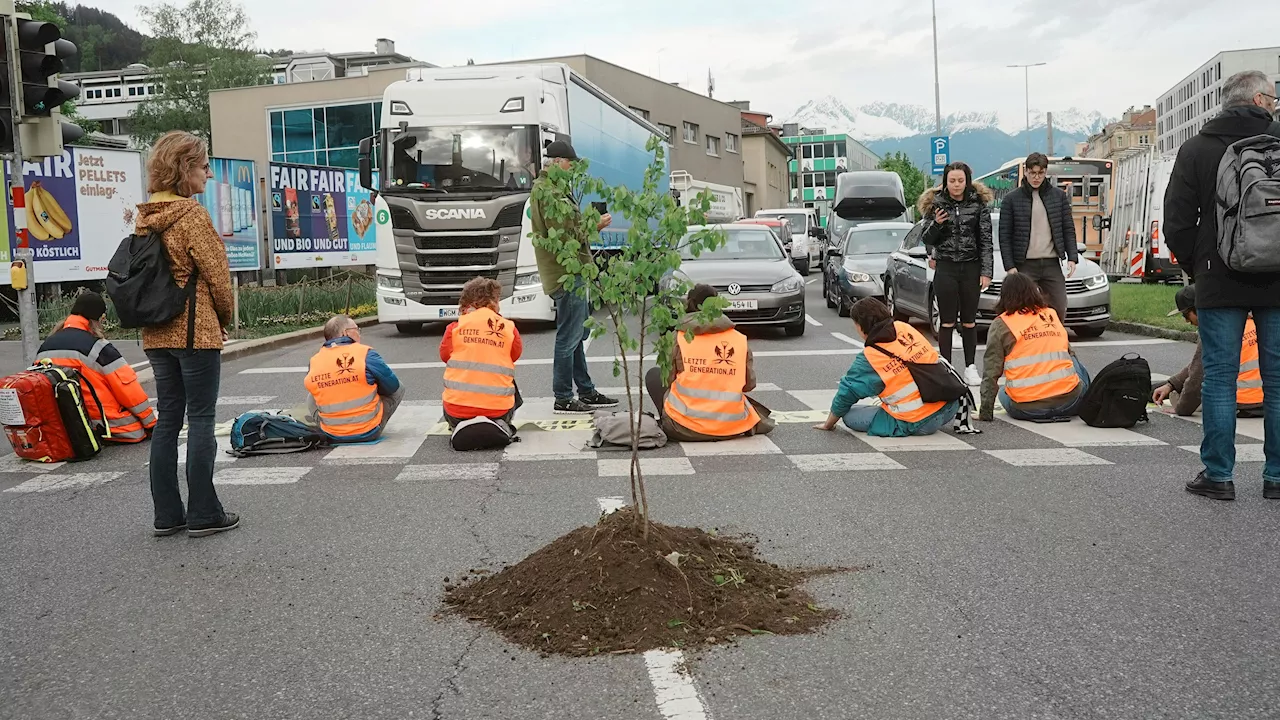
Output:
x=861 y=381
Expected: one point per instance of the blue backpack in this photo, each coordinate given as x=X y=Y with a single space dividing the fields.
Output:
x=268 y=433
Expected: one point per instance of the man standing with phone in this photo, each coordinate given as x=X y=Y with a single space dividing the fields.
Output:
x=1037 y=232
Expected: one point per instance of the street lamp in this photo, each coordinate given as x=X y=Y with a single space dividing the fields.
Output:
x=1027 y=72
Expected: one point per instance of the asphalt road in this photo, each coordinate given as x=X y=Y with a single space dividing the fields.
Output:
x=1084 y=585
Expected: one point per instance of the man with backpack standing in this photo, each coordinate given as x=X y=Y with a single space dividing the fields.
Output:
x=1225 y=297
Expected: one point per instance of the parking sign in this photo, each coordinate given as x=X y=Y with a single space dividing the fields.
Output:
x=941 y=150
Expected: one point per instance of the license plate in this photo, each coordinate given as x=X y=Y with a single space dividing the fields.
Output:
x=742 y=304
x=449 y=312
x=521 y=299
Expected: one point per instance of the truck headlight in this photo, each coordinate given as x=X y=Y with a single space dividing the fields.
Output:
x=1093 y=282
x=859 y=277
x=789 y=285
x=528 y=279
x=386 y=282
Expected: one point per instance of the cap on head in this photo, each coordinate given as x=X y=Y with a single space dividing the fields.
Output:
x=1185 y=300
x=561 y=150
x=89 y=305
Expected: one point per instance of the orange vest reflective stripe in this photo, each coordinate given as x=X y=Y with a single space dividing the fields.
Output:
x=707 y=396
x=1040 y=366
x=1249 y=382
x=901 y=396
x=480 y=372
x=347 y=404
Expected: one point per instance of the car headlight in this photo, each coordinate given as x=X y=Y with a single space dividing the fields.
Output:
x=528 y=279
x=1093 y=282
x=859 y=277
x=386 y=282
x=789 y=285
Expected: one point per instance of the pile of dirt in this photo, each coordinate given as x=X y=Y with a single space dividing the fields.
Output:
x=602 y=589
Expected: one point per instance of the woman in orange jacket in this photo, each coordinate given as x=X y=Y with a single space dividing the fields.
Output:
x=480 y=351
x=79 y=344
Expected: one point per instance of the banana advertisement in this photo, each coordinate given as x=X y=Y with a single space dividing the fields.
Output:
x=320 y=217
x=79 y=207
x=232 y=202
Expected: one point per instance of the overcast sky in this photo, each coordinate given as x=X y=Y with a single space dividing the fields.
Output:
x=1103 y=54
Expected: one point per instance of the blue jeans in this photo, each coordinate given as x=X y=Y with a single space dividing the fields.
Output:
x=186 y=382
x=569 y=364
x=860 y=417
x=1017 y=412
x=1221 y=334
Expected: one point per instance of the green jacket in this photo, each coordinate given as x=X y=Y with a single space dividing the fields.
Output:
x=550 y=269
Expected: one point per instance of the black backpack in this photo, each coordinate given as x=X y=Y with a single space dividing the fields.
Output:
x=141 y=286
x=1117 y=397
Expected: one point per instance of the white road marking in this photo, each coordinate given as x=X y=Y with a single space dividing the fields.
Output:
x=67 y=481
x=650 y=466
x=560 y=445
x=844 y=338
x=456 y=471
x=1077 y=434
x=938 y=441
x=810 y=281
x=844 y=462
x=404 y=434
x=224 y=444
x=610 y=505
x=809 y=319
x=815 y=399
x=1046 y=458
x=586 y=344
x=673 y=688
x=13 y=464
x=245 y=399
x=260 y=475
x=754 y=445
x=1248 y=427
x=1245 y=452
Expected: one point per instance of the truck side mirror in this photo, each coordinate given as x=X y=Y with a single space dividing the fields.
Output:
x=366 y=164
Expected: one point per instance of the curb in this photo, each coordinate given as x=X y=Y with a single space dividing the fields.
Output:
x=1153 y=331
x=246 y=348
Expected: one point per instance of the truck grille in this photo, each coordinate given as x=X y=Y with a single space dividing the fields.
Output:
x=454 y=242
x=433 y=281
x=451 y=260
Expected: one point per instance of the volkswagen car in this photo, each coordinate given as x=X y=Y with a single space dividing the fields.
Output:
x=856 y=264
x=753 y=273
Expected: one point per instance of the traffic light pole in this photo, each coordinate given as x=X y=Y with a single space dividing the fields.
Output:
x=28 y=318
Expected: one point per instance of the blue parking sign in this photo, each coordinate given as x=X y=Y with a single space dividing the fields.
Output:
x=940 y=149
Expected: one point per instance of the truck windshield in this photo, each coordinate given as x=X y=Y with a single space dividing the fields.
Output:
x=462 y=158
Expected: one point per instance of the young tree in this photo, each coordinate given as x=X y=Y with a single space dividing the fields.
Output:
x=198 y=47
x=638 y=280
x=914 y=181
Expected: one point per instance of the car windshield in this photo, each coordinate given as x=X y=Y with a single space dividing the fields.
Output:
x=794 y=221
x=741 y=244
x=457 y=159
x=875 y=242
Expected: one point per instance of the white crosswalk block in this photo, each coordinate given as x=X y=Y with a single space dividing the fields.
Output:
x=456 y=471
x=1076 y=433
x=224 y=444
x=257 y=400
x=754 y=445
x=650 y=466
x=543 y=445
x=402 y=437
x=937 y=442
x=1047 y=457
x=64 y=481
x=1245 y=452
x=11 y=463
x=815 y=399
x=1248 y=427
x=844 y=462
x=259 y=475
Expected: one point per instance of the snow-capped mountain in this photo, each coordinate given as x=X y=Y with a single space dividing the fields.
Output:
x=885 y=121
x=1072 y=121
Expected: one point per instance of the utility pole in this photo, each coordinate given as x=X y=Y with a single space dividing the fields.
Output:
x=28 y=317
x=1027 y=80
x=1049 y=122
x=937 y=88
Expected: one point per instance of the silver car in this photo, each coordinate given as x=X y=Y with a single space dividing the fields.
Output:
x=752 y=272
x=909 y=289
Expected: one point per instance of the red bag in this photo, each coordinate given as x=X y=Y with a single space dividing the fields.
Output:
x=45 y=417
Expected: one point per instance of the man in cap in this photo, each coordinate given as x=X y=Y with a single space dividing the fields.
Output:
x=1183 y=389
x=569 y=364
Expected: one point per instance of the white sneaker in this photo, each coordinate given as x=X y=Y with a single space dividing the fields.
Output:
x=971 y=376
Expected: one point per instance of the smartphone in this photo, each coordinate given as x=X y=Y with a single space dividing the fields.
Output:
x=601 y=207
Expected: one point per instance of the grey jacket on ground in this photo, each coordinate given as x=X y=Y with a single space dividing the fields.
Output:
x=1187 y=385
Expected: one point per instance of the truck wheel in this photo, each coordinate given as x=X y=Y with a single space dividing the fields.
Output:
x=408 y=328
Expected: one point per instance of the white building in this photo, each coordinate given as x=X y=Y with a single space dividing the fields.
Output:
x=111 y=96
x=1186 y=107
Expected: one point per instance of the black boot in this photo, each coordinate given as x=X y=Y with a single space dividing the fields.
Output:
x=1271 y=490
x=1210 y=489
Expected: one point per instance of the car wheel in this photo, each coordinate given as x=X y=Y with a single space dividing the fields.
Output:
x=796 y=329
x=1090 y=332
x=891 y=301
x=842 y=306
x=804 y=268
x=935 y=321
x=408 y=328
x=828 y=291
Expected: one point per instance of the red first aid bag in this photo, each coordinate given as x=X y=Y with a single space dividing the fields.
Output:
x=45 y=417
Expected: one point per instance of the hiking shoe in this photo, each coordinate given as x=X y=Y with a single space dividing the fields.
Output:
x=971 y=376
x=596 y=400
x=229 y=521
x=572 y=406
x=166 y=530
x=1271 y=490
x=1211 y=489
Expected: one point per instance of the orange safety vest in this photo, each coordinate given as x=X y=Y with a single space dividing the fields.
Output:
x=901 y=395
x=1039 y=367
x=707 y=395
x=348 y=405
x=1249 y=382
x=480 y=372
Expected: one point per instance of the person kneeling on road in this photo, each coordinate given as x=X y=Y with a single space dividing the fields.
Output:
x=1184 y=388
x=80 y=344
x=714 y=371
x=480 y=351
x=353 y=391
x=880 y=371
x=1027 y=344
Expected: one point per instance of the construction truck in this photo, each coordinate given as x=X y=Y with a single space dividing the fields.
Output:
x=458 y=152
x=1135 y=246
x=726 y=200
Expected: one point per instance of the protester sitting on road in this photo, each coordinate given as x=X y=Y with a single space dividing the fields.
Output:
x=353 y=391
x=713 y=373
x=106 y=377
x=1027 y=344
x=1183 y=389
x=480 y=351
x=880 y=371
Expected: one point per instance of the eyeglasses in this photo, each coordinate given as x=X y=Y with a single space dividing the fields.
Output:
x=1036 y=173
x=1273 y=97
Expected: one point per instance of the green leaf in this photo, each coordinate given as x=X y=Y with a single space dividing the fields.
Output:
x=673 y=624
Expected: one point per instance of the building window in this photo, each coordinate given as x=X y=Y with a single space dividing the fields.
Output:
x=669 y=131
x=691 y=133
x=327 y=135
x=806 y=151
x=731 y=143
x=713 y=146
x=819 y=151
x=642 y=113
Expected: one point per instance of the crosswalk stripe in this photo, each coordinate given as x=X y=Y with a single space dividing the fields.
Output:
x=67 y=481
x=458 y=471
x=809 y=319
x=754 y=445
x=1248 y=427
x=1051 y=457
x=1076 y=433
x=844 y=462
x=845 y=338
x=1245 y=452
x=651 y=466
x=11 y=463
x=404 y=434
x=260 y=475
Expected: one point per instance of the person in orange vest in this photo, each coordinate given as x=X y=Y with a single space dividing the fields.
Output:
x=353 y=391
x=480 y=351
x=1027 y=344
x=1183 y=389
x=879 y=371
x=713 y=374
x=80 y=344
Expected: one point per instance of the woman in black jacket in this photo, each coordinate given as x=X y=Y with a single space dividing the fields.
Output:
x=958 y=235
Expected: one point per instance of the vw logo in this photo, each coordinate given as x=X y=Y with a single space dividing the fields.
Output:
x=734 y=288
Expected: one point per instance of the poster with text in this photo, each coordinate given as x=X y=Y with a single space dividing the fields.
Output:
x=231 y=200
x=79 y=207
x=320 y=217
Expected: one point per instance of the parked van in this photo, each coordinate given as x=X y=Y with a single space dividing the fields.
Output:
x=808 y=243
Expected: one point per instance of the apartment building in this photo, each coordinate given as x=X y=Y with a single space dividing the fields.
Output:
x=765 y=161
x=1135 y=130
x=1183 y=109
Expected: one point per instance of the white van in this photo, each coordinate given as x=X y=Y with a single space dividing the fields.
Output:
x=808 y=237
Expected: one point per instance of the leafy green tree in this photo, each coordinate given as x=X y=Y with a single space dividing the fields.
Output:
x=197 y=47
x=914 y=181
x=637 y=281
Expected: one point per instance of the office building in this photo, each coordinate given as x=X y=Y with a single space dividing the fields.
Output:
x=1183 y=109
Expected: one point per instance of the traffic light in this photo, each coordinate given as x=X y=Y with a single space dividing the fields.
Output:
x=39 y=100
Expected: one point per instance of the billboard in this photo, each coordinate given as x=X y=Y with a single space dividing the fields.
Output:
x=231 y=200
x=80 y=205
x=320 y=217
